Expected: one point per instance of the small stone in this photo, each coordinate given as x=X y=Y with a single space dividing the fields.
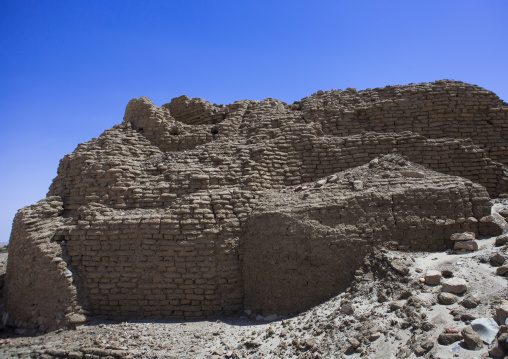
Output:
x=503 y=340
x=502 y=329
x=470 y=302
x=357 y=185
x=426 y=326
x=454 y=285
x=503 y=270
x=405 y=294
x=333 y=179
x=497 y=351
x=347 y=308
x=374 y=337
x=311 y=342
x=400 y=266
x=433 y=277
x=320 y=183
x=381 y=298
x=76 y=318
x=414 y=174
x=355 y=343
x=503 y=212
x=467 y=317
x=471 y=338
x=427 y=344
x=398 y=304
x=447 y=273
x=449 y=338
x=447 y=298
x=465 y=236
x=466 y=246
x=497 y=260
x=501 y=314
x=501 y=240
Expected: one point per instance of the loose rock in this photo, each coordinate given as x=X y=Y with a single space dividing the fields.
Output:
x=454 y=285
x=433 y=277
x=502 y=314
x=471 y=338
x=501 y=240
x=449 y=338
x=502 y=271
x=470 y=302
x=447 y=298
x=497 y=260
x=466 y=245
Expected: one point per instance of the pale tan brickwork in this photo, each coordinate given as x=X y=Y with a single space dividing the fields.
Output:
x=194 y=210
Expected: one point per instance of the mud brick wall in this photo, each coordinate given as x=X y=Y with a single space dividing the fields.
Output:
x=302 y=249
x=179 y=262
x=193 y=209
x=195 y=111
x=442 y=109
x=152 y=179
x=40 y=289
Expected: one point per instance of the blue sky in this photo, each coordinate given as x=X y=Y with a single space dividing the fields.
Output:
x=68 y=68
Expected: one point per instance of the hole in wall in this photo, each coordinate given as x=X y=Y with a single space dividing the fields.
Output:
x=214 y=131
x=174 y=131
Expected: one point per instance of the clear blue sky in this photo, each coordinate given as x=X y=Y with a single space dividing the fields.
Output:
x=68 y=68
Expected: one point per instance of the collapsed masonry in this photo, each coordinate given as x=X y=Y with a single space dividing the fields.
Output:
x=193 y=209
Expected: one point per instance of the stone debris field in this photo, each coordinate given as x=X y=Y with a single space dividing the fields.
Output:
x=348 y=224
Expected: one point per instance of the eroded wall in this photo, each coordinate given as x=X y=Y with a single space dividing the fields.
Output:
x=193 y=209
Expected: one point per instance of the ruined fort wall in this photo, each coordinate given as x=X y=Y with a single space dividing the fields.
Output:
x=181 y=261
x=40 y=288
x=442 y=109
x=305 y=248
x=176 y=212
x=152 y=179
x=196 y=111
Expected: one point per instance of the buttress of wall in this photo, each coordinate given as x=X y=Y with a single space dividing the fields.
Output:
x=39 y=287
x=180 y=261
x=304 y=248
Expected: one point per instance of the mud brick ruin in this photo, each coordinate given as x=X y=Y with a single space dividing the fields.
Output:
x=194 y=210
